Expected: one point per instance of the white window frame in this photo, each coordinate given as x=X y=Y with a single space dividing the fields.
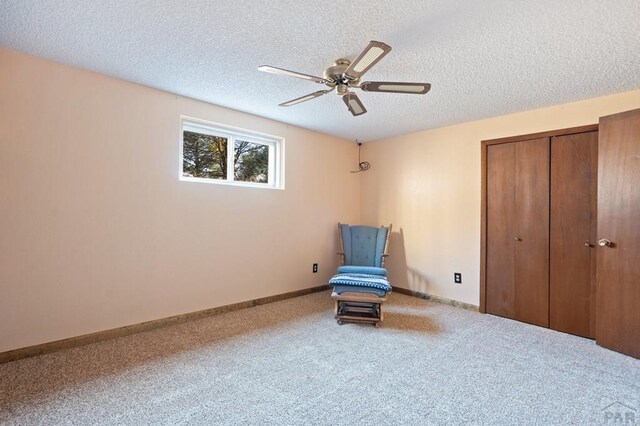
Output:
x=275 y=178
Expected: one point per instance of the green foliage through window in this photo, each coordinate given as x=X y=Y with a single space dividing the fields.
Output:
x=251 y=162
x=212 y=153
x=204 y=156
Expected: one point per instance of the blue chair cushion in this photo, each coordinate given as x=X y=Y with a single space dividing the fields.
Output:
x=361 y=280
x=339 y=289
x=370 y=270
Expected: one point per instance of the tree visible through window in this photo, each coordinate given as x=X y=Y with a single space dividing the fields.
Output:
x=206 y=155
x=251 y=162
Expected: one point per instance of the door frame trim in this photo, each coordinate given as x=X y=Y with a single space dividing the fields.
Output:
x=483 y=180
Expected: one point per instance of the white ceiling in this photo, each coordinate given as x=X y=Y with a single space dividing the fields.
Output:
x=484 y=58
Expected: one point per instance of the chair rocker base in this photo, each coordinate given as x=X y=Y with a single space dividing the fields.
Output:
x=358 y=308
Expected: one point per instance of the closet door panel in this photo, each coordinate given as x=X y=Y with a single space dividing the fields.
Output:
x=500 y=274
x=532 y=231
x=572 y=256
x=618 y=270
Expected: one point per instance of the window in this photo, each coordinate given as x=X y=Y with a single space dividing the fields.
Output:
x=220 y=154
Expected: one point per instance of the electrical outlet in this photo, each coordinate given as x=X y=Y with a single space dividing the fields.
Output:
x=457 y=277
x=315 y=268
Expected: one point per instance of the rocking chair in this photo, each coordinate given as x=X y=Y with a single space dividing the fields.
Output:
x=361 y=286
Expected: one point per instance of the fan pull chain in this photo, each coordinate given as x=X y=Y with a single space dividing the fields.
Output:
x=363 y=166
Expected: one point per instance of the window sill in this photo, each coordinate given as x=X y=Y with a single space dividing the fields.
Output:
x=228 y=183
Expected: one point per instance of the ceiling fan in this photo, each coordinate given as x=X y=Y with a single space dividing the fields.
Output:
x=345 y=75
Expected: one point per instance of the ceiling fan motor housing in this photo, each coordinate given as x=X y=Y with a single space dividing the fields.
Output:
x=336 y=76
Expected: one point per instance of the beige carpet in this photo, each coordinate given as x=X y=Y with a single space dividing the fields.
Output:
x=290 y=363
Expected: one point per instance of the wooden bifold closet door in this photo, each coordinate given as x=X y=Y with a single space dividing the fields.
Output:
x=543 y=260
x=573 y=233
x=517 y=217
x=540 y=208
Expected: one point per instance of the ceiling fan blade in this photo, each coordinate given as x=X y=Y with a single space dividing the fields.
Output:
x=353 y=103
x=395 y=87
x=305 y=98
x=370 y=56
x=281 y=71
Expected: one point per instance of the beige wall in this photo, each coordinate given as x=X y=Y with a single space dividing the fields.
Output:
x=97 y=232
x=428 y=185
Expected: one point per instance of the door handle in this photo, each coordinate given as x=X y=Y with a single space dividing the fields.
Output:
x=603 y=242
x=517 y=239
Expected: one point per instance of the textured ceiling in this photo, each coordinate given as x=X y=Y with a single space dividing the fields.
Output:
x=484 y=58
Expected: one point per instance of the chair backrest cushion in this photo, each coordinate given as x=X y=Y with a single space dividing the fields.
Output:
x=363 y=245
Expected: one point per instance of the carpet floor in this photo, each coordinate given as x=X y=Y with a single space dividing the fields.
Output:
x=289 y=363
